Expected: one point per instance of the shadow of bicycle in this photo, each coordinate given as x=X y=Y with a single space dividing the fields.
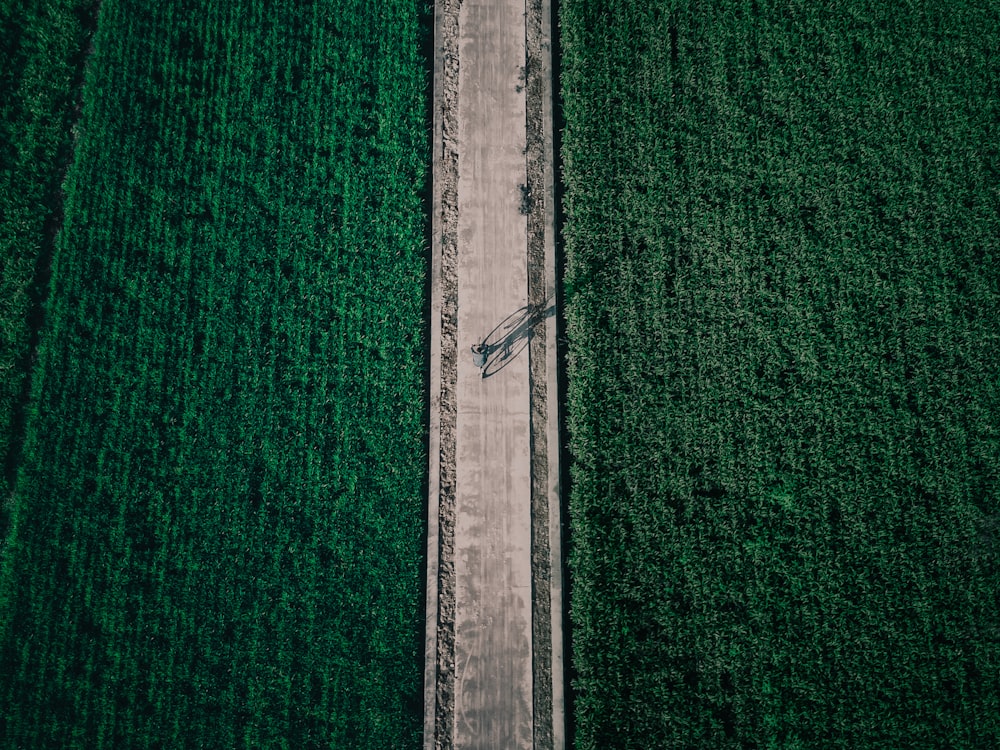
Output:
x=511 y=337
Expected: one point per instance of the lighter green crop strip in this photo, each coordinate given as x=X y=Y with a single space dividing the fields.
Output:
x=221 y=490
x=45 y=50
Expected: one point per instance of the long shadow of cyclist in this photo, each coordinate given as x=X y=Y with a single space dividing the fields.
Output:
x=510 y=337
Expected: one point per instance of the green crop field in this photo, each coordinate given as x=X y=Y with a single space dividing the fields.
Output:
x=783 y=312
x=213 y=534
x=44 y=45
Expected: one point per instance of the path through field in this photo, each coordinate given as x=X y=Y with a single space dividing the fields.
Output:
x=494 y=661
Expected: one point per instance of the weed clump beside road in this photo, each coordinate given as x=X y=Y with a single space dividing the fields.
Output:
x=215 y=535
x=782 y=303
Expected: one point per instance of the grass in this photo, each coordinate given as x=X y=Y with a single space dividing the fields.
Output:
x=782 y=296
x=44 y=44
x=215 y=536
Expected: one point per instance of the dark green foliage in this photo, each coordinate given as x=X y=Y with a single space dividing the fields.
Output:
x=44 y=45
x=783 y=306
x=217 y=526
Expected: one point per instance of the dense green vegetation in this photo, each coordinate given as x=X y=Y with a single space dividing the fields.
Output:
x=783 y=306
x=44 y=44
x=216 y=531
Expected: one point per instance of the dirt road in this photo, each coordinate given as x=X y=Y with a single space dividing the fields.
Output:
x=494 y=657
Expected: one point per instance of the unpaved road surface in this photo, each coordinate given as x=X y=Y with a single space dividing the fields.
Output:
x=494 y=661
x=493 y=675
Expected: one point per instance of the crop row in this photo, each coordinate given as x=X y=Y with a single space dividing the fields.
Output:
x=782 y=302
x=216 y=528
x=44 y=47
